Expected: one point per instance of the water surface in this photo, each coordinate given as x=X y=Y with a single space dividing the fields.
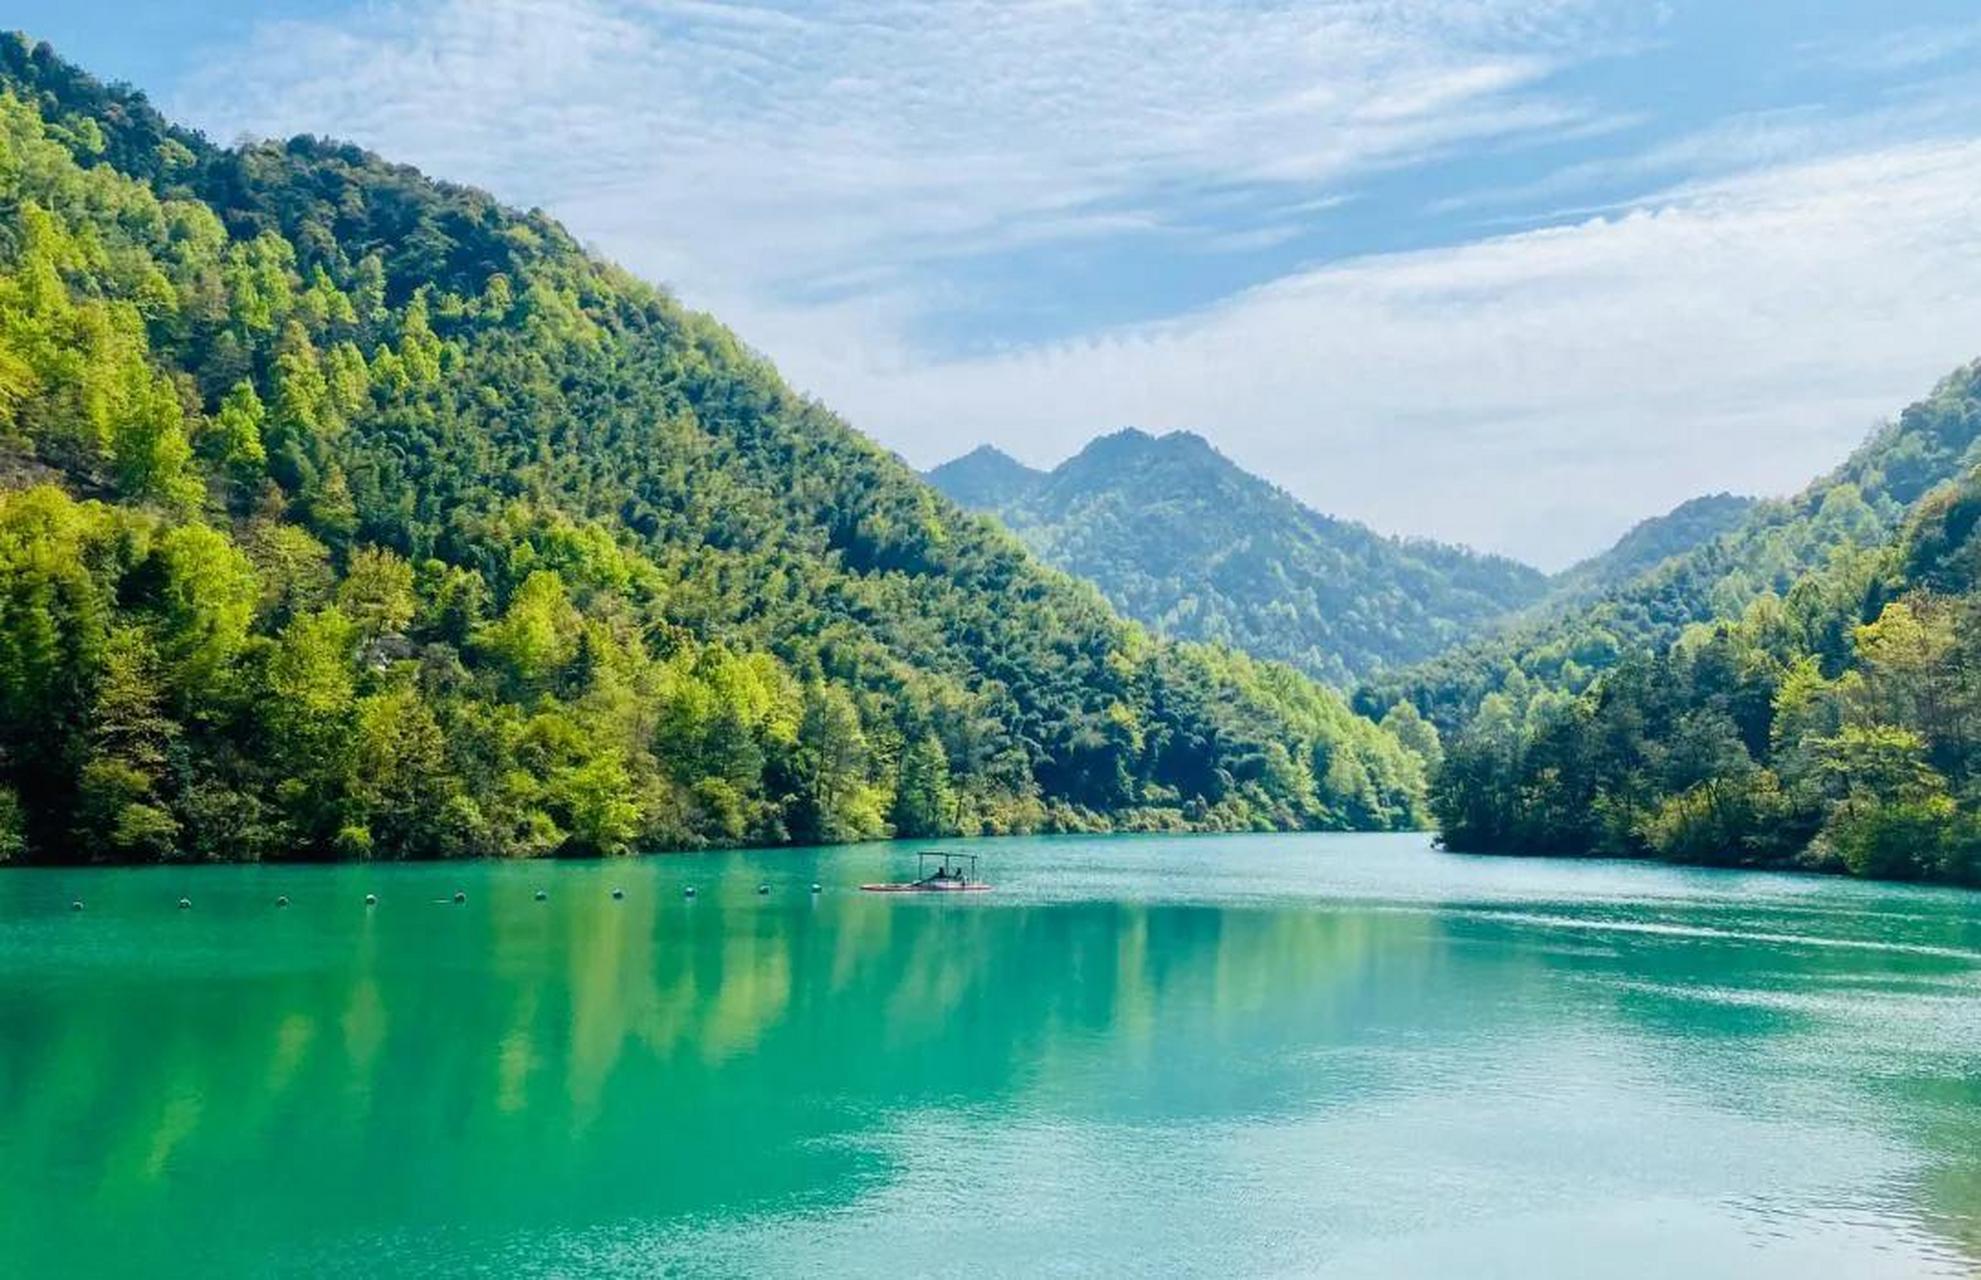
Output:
x=1343 y=1055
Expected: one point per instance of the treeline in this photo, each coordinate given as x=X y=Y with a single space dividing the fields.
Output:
x=1831 y=725
x=344 y=513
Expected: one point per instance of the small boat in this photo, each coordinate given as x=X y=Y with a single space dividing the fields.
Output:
x=954 y=873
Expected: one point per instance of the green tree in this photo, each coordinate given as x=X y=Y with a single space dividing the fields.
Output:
x=122 y=812
x=834 y=801
x=207 y=598
x=924 y=804
x=538 y=633
x=233 y=437
x=1419 y=736
x=377 y=592
x=13 y=826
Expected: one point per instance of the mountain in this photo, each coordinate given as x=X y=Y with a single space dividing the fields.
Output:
x=1180 y=537
x=1649 y=544
x=985 y=479
x=1838 y=728
x=1802 y=691
x=1858 y=506
x=346 y=513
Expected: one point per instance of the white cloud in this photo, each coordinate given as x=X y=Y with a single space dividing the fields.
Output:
x=1533 y=393
x=738 y=150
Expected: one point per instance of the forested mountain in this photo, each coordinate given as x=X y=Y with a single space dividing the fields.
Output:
x=1836 y=727
x=348 y=513
x=1802 y=691
x=1648 y=544
x=1180 y=537
x=1859 y=505
x=985 y=479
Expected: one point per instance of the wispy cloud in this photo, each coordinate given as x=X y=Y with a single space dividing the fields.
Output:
x=739 y=149
x=1532 y=392
x=1743 y=142
x=1909 y=49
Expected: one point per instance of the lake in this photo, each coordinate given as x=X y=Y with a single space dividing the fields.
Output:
x=1347 y=1055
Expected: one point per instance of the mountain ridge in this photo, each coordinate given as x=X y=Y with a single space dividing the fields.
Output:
x=354 y=514
x=984 y=477
x=1180 y=537
x=1650 y=542
x=1774 y=544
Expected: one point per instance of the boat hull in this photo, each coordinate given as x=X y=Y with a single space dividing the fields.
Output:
x=925 y=888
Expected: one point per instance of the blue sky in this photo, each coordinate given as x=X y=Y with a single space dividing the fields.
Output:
x=1513 y=274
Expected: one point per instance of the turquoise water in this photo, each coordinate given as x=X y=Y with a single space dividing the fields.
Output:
x=1344 y=1055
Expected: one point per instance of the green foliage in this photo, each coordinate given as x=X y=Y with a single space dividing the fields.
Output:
x=923 y=801
x=835 y=800
x=13 y=826
x=233 y=438
x=206 y=595
x=1178 y=537
x=377 y=592
x=354 y=515
x=1840 y=728
x=538 y=634
x=1418 y=735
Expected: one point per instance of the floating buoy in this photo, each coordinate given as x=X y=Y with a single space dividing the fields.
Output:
x=459 y=897
x=688 y=892
x=77 y=905
x=371 y=899
x=541 y=895
x=618 y=893
x=282 y=900
x=762 y=889
x=815 y=888
x=185 y=904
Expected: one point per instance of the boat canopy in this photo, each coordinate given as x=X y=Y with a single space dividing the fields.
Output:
x=953 y=873
x=949 y=866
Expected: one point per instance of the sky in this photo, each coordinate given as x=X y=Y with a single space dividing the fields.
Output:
x=1515 y=275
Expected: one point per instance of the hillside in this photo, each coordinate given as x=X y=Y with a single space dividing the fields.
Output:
x=1837 y=728
x=985 y=479
x=1650 y=543
x=1178 y=536
x=349 y=513
x=1859 y=505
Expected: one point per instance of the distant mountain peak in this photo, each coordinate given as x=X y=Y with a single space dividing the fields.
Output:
x=985 y=478
x=985 y=454
x=1182 y=456
x=1177 y=534
x=1137 y=438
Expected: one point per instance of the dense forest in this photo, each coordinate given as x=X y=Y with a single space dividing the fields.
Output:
x=1805 y=691
x=1837 y=727
x=344 y=513
x=1179 y=537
